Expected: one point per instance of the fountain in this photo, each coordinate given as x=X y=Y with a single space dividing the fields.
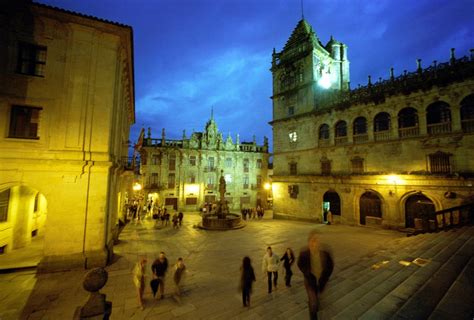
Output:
x=221 y=218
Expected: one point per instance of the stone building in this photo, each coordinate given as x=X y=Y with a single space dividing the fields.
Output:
x=383 y=154
x=185 y=173
x=66 y=106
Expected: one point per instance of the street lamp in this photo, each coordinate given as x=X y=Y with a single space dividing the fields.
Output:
x=267 y=186
x=137 y=186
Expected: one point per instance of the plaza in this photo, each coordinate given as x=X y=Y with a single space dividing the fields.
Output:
x=211 y=284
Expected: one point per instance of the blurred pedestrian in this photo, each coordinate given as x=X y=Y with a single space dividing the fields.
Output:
x=159 y=268
x=175 y=220
x=288 y=260
x=247 y=277
x=179 y=270
x=270 y=265
x=139 y=279
x=180 y=218
x=316 y=265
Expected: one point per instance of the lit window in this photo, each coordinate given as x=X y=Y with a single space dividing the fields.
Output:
x=192 y=161
x=31 y=59
x=293 y=136
x=24 y=122
x=228 y=178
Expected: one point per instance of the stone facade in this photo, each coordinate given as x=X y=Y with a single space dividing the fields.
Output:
x=67 y=104
x=184 y=174
x=383 y=154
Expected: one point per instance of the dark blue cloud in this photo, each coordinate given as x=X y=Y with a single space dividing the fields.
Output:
x=191 y=55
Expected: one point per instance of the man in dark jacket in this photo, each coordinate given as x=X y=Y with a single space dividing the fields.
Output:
x=316 y=266
x=159 y=268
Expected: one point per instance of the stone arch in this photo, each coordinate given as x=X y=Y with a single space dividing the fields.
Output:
x=331 y=202
x=467 y=113
x=438 y=117
x=23 y=213
x=382 y=122
x=340 y=129
x=323 y=132
x=415 y=204
x=370 y=205
x=360 y=126
x=408 y=123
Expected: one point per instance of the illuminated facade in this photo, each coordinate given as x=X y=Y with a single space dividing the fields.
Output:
x=380 y=155
x=67 y=104
x=184 y=174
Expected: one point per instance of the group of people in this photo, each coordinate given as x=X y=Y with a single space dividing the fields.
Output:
x=252 y=213
x=159 y=268
x=315 y=263
x=164 y=216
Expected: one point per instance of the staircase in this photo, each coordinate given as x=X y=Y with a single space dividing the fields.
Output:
x=440 y=286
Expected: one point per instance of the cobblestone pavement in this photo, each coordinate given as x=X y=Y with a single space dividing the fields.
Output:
x=211 y=284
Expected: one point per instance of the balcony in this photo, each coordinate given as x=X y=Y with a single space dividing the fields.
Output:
x=361 y=138
x=245 y=186
x=209 y=169
x=408 y=132
x=154 y=186
x=324 y=142
x=340 y=140
x=467 y=125
x=128 y=163
x=439 y=128
x=382 y=135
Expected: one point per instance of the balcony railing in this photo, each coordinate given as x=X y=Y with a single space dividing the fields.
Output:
x=340 y=140
x=361 y=138
x=209 y=169
x=210 y=186
x=382 y=135
x=467 y=125
x=128 y=163
x=324 y=142
x=246 y=169
x=245 y=186
x=438 y=128
x=408 y=132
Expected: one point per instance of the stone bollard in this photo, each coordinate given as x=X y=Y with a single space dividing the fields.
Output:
x=96 y=307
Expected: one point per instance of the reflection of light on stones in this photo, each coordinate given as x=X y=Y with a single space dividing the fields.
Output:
x=421 y=262
x=378 y=265
x=404 y=263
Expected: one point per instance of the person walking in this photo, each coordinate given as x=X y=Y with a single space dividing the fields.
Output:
x=180 y=218
x=159 y=268
x=175 y=220
x=270 y=265
x=139 y=279
x=179 y=270
x=247 y=277
x=316 y=265
x=288 y=260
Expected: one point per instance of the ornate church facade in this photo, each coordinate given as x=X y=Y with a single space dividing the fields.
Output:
x=384 y=154
x=184 y=174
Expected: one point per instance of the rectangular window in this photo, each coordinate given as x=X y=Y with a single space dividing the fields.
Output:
x=228 y=162
x=439 y=163
x=192 y=178
x=210 y=182
x=293 y=191
x=259 y=164
x=210 y=163
x=293 y=168
x=191 y=201
x=357 y=165
x=246 y=165
x=155 y=159
x=31 y=59
x=192 y=161
x=326 y=167
x=171 y=181
x=154 y=178
x=291 y=111
x=24 y=122
x=172 y=162
x=4 y=200
x=245 y=182
x=259 y=182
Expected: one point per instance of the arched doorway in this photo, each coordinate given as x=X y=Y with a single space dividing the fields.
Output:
x=370 y=206
x=23 y=217
x=331 y=202
x=417 y=206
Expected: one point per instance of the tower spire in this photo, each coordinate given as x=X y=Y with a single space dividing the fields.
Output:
x=302 y=10
x=212 y=112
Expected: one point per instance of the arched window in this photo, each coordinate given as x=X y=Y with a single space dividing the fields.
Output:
x=360 y=130
x=324 y=132
x=341 y=129
x=360 y=126
x=340 y=133
x=467 y=113
x=382 y=126
x=438 y=118
x=408 y=122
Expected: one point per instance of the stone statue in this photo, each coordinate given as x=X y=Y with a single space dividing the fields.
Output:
x=222 y=187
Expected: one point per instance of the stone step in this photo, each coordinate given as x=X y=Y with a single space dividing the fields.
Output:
x=425 y=300
x=453 y=305
x=400 y=286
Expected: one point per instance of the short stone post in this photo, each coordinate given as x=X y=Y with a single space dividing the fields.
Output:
x=96 y=306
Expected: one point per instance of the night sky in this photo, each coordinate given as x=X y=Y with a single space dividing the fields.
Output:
x=191 y=55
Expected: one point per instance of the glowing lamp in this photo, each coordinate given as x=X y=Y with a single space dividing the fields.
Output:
x=267 y=186
x=394 y=179
x=325 y=81
x=192 y=188
x=137 y=186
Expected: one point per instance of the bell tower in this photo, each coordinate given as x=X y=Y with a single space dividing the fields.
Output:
x=305 y=70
